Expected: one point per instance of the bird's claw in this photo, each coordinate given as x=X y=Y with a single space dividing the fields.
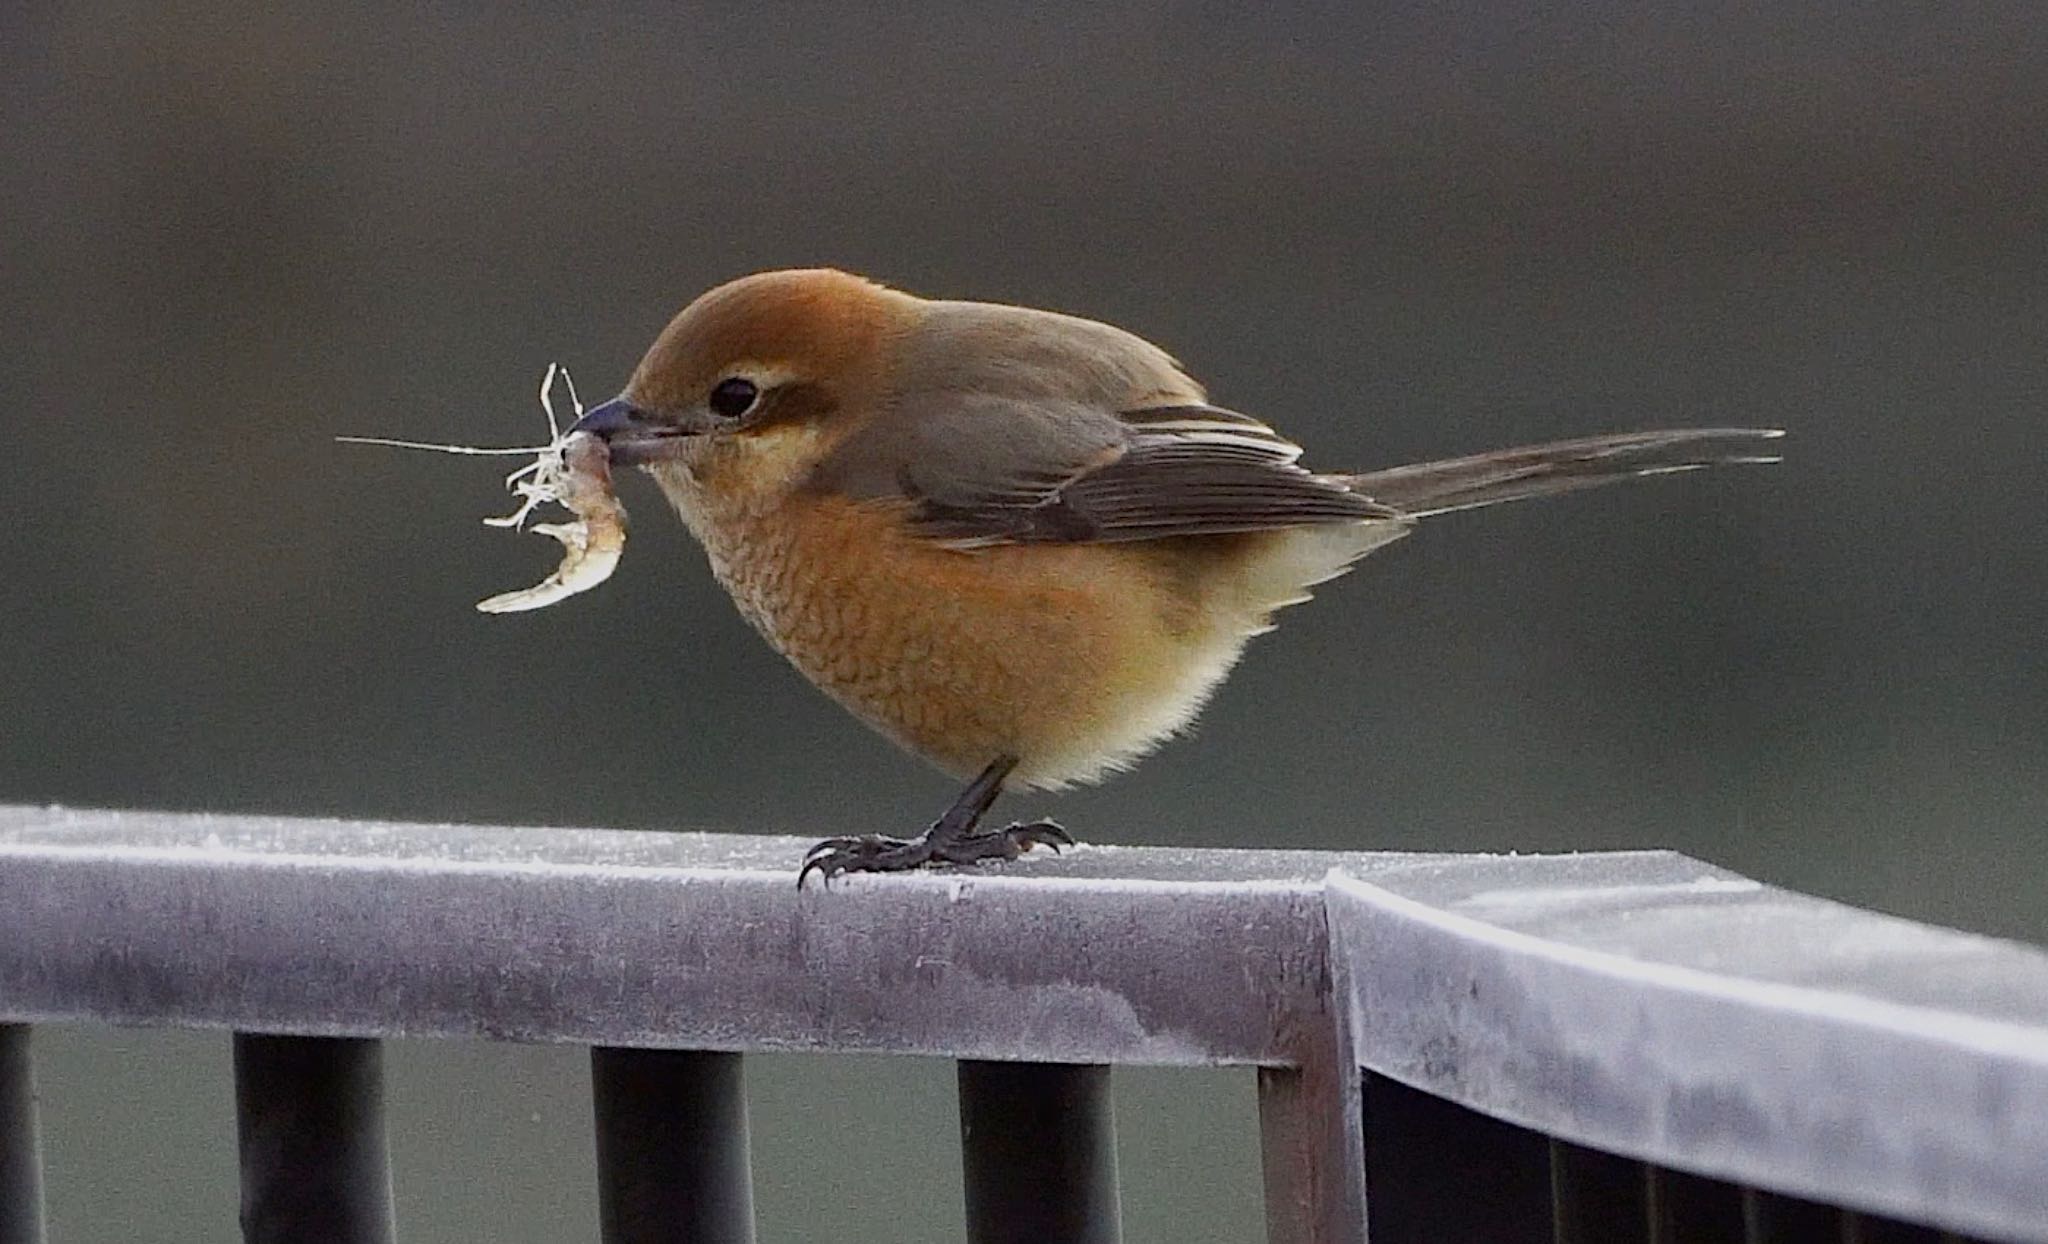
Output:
x=862 y=853
x=876 y=853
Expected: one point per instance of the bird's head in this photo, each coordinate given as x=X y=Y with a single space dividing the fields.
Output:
x=761 y=374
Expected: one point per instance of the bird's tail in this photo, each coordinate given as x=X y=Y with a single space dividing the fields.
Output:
x=1560 y=466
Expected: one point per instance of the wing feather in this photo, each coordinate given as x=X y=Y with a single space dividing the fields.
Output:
x=1170 y=471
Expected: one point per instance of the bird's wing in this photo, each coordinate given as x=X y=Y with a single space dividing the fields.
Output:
x=1004 y=470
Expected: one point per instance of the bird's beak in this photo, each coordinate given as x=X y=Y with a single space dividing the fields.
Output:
x=635 y=436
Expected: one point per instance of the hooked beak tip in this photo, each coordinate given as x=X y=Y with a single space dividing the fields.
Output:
x=632 y=435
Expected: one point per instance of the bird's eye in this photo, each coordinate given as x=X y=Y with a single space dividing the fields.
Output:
x=733 y=397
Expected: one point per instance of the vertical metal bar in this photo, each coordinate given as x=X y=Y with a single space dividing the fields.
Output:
x=1436 y=1171
x=1311 y=1114
x=1311 y=1153
x=1038 y=1152
x=21 y=1167
x=1692 y=1209
x=310 y=1117
x=1595 y=1197
x=1768 y=1218
x=672 y=1147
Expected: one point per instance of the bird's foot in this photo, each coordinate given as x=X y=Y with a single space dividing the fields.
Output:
x=874 y=853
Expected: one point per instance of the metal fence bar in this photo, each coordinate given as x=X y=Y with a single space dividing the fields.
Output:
x=21 y=1167
x=673 y=940
x=1770 y=1040
x=1311 y=1153
x=1038 y=1154
x=672 y=1158
x=1663 y=1009
x=1311 y=1125
x=310 y=1120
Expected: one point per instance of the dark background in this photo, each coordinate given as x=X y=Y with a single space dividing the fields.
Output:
x=230 y=234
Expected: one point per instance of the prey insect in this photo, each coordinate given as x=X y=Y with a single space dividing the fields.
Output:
x=572 y=470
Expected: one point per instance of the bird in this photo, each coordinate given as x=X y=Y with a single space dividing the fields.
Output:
x=1022 y=544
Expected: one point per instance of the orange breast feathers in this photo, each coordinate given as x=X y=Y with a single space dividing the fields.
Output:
x=1077 y=659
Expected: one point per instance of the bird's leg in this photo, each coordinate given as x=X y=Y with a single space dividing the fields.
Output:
x=952 y=839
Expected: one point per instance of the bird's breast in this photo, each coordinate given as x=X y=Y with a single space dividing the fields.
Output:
x=1075 y=658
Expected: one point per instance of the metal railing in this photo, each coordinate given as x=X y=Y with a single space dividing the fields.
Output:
x=1602 y=1048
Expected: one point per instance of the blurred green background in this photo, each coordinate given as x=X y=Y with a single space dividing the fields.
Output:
x=228 y=233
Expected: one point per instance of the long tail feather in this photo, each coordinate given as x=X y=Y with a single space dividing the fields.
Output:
x=1441 y=487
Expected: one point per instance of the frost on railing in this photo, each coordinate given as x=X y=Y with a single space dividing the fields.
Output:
x=1601 y=1047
